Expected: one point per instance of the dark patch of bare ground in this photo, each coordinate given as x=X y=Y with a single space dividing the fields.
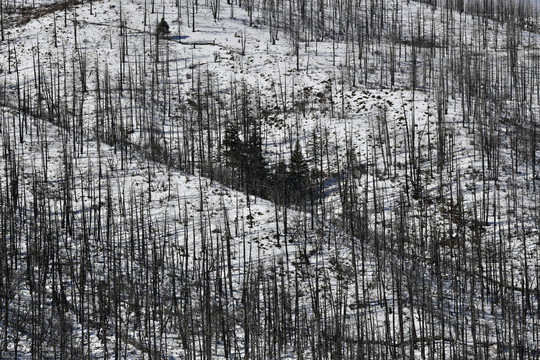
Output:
x=21 y=15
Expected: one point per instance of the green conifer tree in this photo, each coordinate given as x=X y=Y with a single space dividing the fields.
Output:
x=298 y=175
x=233 y=147
x=163 y=28
x=256 y=170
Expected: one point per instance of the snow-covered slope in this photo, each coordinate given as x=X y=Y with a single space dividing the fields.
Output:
x=130 y=232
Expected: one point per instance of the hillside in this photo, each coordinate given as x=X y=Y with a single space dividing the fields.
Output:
x=269 y=179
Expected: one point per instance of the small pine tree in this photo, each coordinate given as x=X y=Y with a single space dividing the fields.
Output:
x=279 y=191
x=163 y=28
x=233 y=147
x=298 y=175
x=255 y=164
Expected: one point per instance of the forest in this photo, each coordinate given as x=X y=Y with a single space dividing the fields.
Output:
x=264 y=179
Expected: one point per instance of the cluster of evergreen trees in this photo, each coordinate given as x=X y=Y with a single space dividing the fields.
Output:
x=246 y=158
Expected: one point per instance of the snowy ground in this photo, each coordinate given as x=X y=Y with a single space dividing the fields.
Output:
x=371 y=119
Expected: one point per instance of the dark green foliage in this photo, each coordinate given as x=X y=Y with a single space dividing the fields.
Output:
x=163 y=28
x=255 y=164
x=233 y=147
x=298 y=175
x=286 y=184
x=278 y=182
x=246 y=157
